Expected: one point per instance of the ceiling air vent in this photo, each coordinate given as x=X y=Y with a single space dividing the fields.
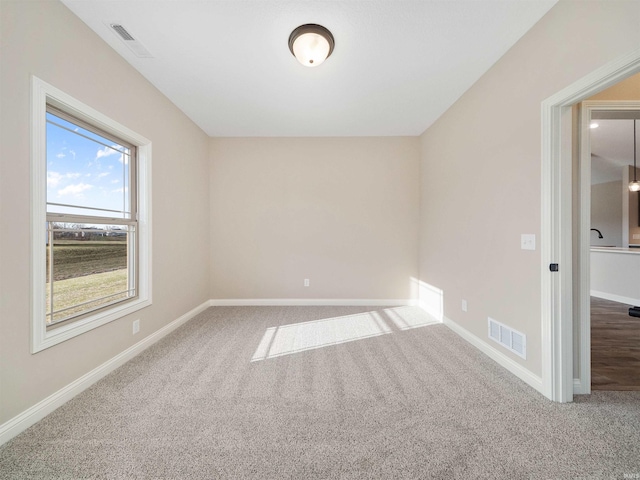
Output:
x=120 y=30
x=135 y=46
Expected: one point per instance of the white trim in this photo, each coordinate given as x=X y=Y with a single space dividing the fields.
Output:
x=615 y=298
x=583 y=268
x=580 y=387
x=503 y=360
x=556 y=242
x=34 y=414
x=356 y=302
x=41 y=93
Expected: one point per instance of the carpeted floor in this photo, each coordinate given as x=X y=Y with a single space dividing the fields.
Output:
x=324 y=392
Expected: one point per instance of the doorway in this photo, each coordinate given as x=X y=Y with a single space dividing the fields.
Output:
x=559 y=297
x=609 y=247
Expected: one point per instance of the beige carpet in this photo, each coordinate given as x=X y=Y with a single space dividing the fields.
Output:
x=323 y=392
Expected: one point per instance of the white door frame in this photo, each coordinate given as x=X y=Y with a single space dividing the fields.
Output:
x=582 y=384
x=556 y=230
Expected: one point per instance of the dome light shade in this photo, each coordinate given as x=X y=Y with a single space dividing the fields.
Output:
x=634 y=186
x=311 y=44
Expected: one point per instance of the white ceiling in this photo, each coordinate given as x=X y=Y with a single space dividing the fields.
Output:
x=612 y=149
x=397 y=65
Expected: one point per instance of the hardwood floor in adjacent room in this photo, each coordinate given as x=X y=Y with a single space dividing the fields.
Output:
x=615 y=346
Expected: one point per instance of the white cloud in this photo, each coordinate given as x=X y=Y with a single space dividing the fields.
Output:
x=115 y=180
x=107 y=151
x=53 y=179
x=103 y=174
x=56 y=180
x=73 y=153
x=76 y=189
x=60 y=155
x=119 y=190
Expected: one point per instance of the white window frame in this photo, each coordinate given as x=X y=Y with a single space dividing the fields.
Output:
x=42 y=94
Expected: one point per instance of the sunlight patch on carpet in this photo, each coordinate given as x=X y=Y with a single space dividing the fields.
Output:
x=300 y=337
x=405 y=318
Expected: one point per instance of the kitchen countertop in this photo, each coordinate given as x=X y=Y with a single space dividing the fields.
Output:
x=630 y=250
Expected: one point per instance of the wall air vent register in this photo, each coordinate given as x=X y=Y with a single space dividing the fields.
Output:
x=509 y=338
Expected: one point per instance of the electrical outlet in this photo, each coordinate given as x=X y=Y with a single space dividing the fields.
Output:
x=136 y=326
x=464 y=305
x=306 y=282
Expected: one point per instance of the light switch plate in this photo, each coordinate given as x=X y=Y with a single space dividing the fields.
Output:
x=528 y=241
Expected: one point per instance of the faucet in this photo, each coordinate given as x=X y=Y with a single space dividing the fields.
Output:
x=599 y=233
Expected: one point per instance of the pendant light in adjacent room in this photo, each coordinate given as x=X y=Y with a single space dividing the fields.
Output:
x=311 y=44
x=635 y=185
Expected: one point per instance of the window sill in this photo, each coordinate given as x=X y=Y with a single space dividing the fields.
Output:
x=45 y=339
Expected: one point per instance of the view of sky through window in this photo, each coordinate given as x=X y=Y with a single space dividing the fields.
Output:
x=85 y=170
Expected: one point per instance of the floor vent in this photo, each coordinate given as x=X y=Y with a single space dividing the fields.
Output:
x=508 y=337
x=126 y=37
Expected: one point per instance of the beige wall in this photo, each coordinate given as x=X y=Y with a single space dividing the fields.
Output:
x=481 y=164
x=47 y=40
x=342 y=212
x=628 y=89
x=606 y=213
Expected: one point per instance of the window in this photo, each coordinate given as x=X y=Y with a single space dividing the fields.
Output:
x=90 y=222
x=91 y=219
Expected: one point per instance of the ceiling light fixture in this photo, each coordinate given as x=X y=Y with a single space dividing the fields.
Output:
x=311 y=44
x=635 y=185
x=594 y=125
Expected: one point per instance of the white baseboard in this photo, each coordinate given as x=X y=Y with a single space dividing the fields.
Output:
x=615 y=298
x=357 y=302
x=34 y=414
x=579 y=388
x=499 y=357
